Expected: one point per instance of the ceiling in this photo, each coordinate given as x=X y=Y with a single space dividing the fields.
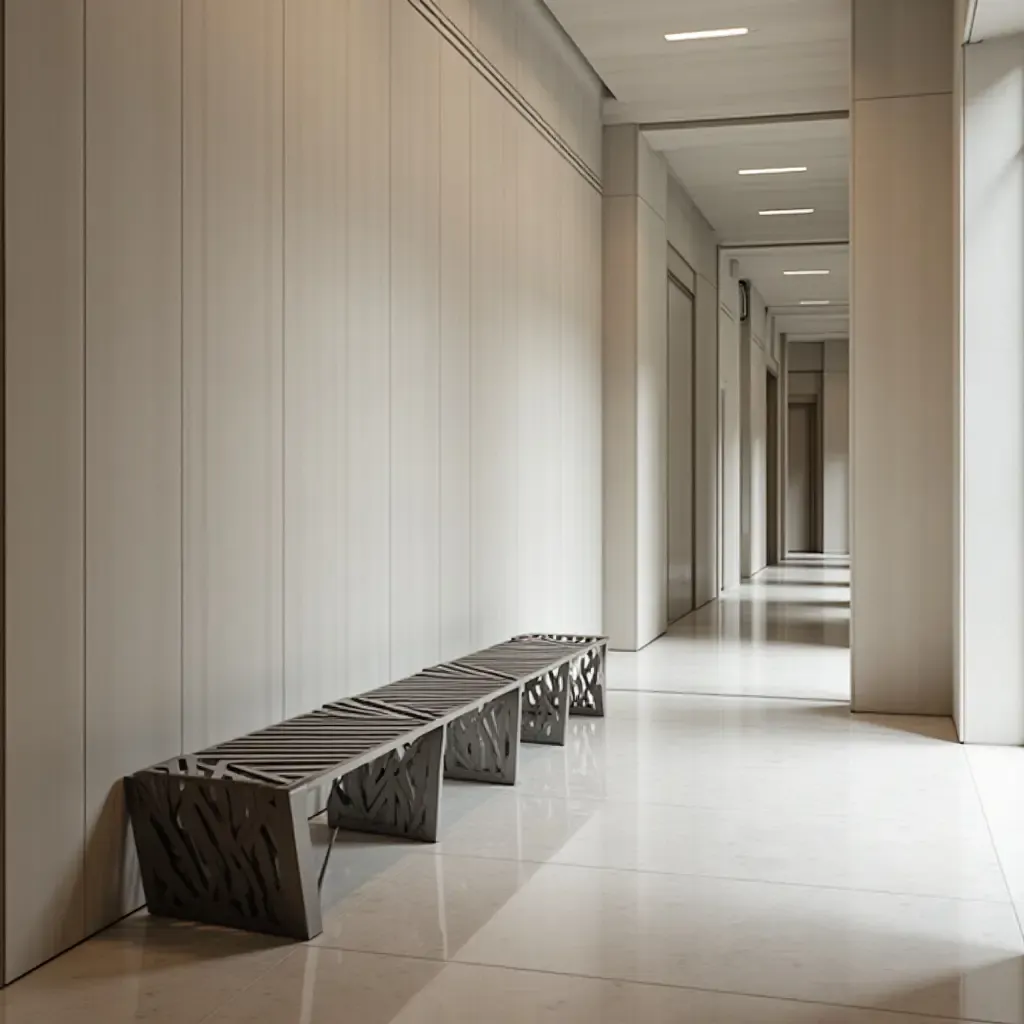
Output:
x=767 y=267
x=794 y=61
x=706 y=161
x=784 y=295
x=796 y=58
x=993 y=18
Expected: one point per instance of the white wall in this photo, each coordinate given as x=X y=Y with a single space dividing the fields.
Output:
x=755 y=338
x=303 y=385
x=901 y=372
x=648 y=220
x=960 y=27
x=730 y=383
x=835 y=448
x=635 y=298
x=993 y=394
x=691 y=237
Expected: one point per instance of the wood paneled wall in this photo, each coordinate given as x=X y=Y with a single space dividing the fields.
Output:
x=303 y=384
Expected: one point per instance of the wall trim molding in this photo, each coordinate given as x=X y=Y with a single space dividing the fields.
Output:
x=462 y=44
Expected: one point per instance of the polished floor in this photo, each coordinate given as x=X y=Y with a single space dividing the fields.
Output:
x=729 y=845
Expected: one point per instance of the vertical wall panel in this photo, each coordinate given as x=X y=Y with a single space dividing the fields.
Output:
x=835 y=433
x=513 y=533
x=233 y=93
x=495 y=32
x=542 y=321
x=315 y=333
x=44 y=892
x=367 y=489
x=455 y=595
x=758 y=459
x=574 y=528
x=133 y=423
x=651 y=433
x=415 y=342
x=494 y=411
x=730 y=440
x=992 y=394
x=592 y=371
x=619 y=405
x=706 y=455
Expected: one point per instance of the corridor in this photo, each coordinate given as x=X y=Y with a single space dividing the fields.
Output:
x=786 y=633
x=694 y=858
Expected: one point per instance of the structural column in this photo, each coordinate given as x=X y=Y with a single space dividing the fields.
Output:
x=990 y=704
x=635 y=389
x=902 y=357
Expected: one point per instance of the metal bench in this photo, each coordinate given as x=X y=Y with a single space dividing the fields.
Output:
x=223 y=835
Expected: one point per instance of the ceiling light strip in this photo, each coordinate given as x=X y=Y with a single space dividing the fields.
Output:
x=785 y=213
x=773 y=170
x=713 y=33
x=806 y=273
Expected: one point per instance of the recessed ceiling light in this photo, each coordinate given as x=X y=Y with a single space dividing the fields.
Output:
x=714 y=33
x=774 y=170
x=784 y=213
x=806 y=273
x=815 y=302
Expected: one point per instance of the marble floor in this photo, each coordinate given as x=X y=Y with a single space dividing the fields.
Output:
x=728 y=845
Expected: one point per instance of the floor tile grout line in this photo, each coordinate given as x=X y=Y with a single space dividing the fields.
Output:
x=620 y=980
x=735 y=810
x=259 y=976
x=717 y=878
x=838 y=702
x=995 y=845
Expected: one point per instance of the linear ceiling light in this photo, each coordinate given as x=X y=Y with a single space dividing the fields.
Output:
x=815 y=302
x=785 y=213
x=774 y=170
x=806 y=273
x=714 y=33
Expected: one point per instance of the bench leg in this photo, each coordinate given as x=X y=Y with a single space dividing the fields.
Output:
x=546 y=707
x=225 y=852
x=399 y=794
x=483 y=746
x=588 y=679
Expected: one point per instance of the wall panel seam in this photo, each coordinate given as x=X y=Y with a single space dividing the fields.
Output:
x=181 y=371
x=463 y=45
x=85 y=448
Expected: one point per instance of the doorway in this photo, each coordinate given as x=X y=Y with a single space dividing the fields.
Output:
x=772 y=495
x=802 y=485
x=681 y=439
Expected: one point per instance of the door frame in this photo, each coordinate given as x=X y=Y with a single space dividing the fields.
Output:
x=817 y=502
x=673 y=279
x=773 y=397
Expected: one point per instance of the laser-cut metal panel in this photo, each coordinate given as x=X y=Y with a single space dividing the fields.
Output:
x=483 y=746
x=546 y=707
x=398 y=794
x=587 y=670
x=225 y=852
